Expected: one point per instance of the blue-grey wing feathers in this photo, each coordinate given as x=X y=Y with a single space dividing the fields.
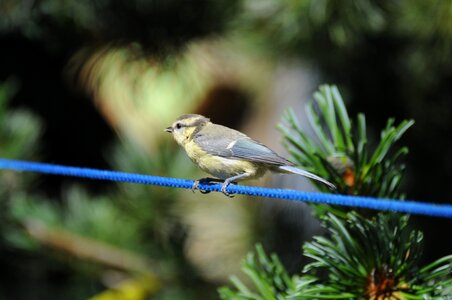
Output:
x=251 y=150
x=225 y=142
x=229 y=143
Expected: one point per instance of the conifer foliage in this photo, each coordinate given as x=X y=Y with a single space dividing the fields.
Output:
x=362 y=257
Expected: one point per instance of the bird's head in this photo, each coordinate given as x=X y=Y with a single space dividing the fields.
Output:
x=186 y=126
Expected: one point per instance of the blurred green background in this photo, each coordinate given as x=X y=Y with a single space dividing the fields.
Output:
x=94 y=83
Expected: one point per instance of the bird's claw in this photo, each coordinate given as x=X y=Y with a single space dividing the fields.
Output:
x=225 y=185
x=195 y=187
x=223 y=190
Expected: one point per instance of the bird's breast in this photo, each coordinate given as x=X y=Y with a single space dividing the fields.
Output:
x=222 y=167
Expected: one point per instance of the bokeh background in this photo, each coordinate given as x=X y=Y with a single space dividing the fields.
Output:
x=94 y=83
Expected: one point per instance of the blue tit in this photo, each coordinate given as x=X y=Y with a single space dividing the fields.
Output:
x=228 y=154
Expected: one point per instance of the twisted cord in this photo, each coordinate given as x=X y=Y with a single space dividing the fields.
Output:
x=411 y=207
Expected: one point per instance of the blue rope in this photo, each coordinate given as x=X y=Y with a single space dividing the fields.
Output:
x=411 y=207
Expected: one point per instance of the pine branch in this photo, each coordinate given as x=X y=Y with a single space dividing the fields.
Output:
x=87 y=248
x=269 y=277
x=339 y=151
x=376 y=258
x=362 y=259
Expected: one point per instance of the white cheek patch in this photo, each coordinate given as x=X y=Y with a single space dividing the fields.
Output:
x=231 y=144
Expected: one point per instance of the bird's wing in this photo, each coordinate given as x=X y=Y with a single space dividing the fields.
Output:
x=229 y=143
x=253 y=151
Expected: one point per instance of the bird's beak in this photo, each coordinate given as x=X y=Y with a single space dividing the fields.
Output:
x=169 y=129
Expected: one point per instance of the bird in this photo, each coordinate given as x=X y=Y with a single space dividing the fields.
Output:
x=227 y=154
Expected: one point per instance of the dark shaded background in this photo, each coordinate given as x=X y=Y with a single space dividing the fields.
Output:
x=397 y=64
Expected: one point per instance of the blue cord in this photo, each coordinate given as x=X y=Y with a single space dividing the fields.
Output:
x=411 y=207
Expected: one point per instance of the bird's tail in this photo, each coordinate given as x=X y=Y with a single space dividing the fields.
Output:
x=295 y=170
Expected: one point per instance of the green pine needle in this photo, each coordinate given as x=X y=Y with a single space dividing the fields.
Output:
x=269 y=277
x=377 y=257
x=339 y=152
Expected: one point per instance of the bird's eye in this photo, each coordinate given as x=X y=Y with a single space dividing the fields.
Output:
x=178 y=125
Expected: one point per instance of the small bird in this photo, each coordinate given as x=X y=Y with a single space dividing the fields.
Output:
x=228 y=154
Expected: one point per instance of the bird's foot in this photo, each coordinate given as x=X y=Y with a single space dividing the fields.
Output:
x=225 y=186
x=195 y=185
